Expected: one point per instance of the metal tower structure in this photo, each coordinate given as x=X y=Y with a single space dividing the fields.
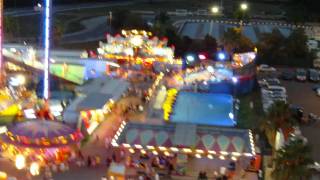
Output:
x=1 y=41
x=46 y=43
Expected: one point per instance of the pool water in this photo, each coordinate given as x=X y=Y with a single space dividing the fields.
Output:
x=203 y=108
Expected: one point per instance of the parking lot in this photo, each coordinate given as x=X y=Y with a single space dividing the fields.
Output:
x=301 y=93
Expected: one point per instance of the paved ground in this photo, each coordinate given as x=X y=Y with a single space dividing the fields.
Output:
x=302 y=94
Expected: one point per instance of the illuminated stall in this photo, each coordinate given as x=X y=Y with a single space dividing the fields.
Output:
x=93 y=110
x=94 y=102
x=197 y=141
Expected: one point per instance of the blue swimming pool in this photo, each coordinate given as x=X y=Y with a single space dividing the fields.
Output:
x=203 y=108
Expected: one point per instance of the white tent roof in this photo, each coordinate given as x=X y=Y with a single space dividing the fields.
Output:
x=105 y=85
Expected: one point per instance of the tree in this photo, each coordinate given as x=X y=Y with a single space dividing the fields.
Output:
x=235 y=41
x=297 y=44
x=272 y=47
x=279 y=116
x=292 y=161
x=276 y=49
x=124 y=19
x=241 y=15
x=161 y=24
x=10 y=26
x=210 y=43
x=58 y=31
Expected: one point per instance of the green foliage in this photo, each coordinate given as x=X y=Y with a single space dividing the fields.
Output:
x=162 y=24
x=124 y=19
x=210 y=43
x=296 y=43
x=248 y=117
x=279 y=116
x=292 y=161
x=276 y=49
x=241 y=15
x=58 y=31
x=235 y=41
x=10 y=26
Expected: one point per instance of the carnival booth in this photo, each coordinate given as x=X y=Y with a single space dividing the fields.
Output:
x=94 y=102
x=36 y=143
x=117 y=171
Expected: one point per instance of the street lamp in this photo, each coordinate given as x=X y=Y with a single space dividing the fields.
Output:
x=243 y=6
x=215 y=9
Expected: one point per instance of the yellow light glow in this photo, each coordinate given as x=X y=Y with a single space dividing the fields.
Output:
x=126 y=145
x=162 y=148
x=174 y=149
x=244 y=6
x=210 y=156
x=136 y=41
x=131 y=150
x=155 y=152
x=198 y=156
x=20 y=161
x=199 y=151
x=143 y=151
x=138 y=146
x=224 y=153
x=235 y=154
x=186 y=150
x=233 y=158
x=34 y=169
x=212 y=152
x=215 y=9
x=150 y=147
x=3 y=175
x=222 y=157
x=166 y=153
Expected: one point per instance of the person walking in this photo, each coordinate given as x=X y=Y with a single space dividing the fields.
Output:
x=89 y=161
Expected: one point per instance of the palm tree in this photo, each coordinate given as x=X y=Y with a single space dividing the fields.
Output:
x=292 y=161
x=278 y=117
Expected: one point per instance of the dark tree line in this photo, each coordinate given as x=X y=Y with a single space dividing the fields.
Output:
x=276 y=49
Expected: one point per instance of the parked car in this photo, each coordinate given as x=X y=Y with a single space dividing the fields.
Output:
x=315 y=87
x=277 y=89
x=287 y=75
x=314 y=75
x=301 y=75
x=269 y=82
x=266 y=68
x=273 y=82
x=318 y=92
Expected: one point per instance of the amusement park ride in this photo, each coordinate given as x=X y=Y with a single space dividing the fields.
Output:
x=31 y=144
x=137 y=47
